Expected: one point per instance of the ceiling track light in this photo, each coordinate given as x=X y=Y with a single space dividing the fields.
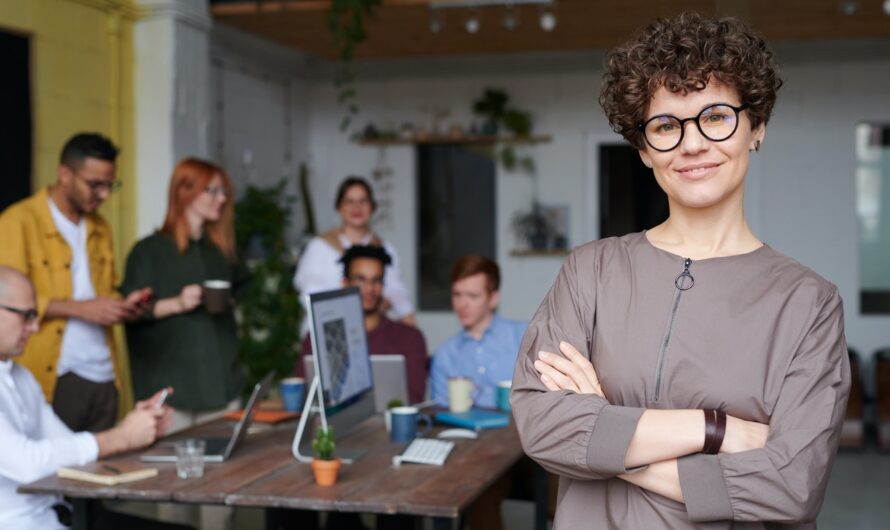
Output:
x=472 y=23
x=511 y=17
x=457 y=4
x=437 y=21
x=547 y=20
x=509 y=21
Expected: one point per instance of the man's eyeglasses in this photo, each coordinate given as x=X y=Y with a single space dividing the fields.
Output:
x=30 y=315
x=362 y=280
x=716 y=123
x=97 y=186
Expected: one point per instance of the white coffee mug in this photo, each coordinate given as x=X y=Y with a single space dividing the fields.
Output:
x=460 y=394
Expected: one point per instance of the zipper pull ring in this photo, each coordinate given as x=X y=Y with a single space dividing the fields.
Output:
x=684 y=281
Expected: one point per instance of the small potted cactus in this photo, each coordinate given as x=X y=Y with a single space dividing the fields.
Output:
x=325 y=465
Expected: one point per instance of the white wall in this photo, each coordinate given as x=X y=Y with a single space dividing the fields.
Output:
x=800 y=187
x=259 y=119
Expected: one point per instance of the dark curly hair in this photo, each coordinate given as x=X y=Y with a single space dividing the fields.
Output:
x=682 y=54
x=364 y=251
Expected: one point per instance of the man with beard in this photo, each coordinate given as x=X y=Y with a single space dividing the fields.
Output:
x=59 y=241
x=364 y=267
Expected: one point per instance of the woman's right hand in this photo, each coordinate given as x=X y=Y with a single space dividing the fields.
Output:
x=742 y=435
x=190 y=297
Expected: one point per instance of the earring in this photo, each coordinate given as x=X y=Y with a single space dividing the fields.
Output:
x=756 y=146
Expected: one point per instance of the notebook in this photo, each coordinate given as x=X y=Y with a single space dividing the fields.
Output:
x=106 y=474
x=476 y=419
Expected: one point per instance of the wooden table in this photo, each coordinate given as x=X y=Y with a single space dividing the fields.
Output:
x=263 y=473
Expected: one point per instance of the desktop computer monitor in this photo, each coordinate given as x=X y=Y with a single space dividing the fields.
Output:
x=340 y=345
x=342 y=362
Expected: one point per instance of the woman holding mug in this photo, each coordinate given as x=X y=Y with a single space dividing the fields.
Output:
x=687 y=376
x=319 y=268
x=181 y=341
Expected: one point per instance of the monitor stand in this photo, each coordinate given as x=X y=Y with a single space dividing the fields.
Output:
x=342 y=422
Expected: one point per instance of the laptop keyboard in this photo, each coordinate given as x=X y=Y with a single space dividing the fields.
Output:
x=425 y=451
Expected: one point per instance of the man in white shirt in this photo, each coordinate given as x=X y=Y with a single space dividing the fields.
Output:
x=33 y=441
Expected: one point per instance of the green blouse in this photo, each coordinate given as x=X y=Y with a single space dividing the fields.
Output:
x=196 y=353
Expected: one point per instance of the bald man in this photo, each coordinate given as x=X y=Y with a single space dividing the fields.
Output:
x=34 y=441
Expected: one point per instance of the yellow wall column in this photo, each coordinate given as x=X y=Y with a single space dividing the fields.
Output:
x=81 y=80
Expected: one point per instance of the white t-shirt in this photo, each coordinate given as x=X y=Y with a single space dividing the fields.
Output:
x=84 y=350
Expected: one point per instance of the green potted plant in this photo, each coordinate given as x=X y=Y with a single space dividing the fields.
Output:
x=325 y=465
x=268 y=312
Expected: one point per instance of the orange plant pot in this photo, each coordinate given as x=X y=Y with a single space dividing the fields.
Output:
x=325 y=471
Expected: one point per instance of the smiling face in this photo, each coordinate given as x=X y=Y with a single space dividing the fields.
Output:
x=701 y=173
x=355 y=207
x=208 y=205
x=367 y=275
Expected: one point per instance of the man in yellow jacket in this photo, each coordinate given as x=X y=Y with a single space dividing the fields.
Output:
x=57 y=238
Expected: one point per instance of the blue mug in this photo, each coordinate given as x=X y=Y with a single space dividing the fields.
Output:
x=404 y=423
x=502 y=398
x=292 y=390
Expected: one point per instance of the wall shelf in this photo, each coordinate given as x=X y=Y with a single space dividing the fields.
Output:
x=466 y=140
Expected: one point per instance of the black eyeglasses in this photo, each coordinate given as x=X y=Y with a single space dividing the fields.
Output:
x=98 y=185
x=29 y=315
x=715 y=122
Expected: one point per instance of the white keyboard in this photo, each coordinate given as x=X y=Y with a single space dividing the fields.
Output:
x=425 y=451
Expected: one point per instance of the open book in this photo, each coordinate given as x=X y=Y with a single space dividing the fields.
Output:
x=107 y=474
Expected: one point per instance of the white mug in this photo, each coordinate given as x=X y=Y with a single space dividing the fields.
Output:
x=460 y=394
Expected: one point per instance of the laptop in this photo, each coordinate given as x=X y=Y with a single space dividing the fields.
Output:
x=390 y=376
x=220 y=449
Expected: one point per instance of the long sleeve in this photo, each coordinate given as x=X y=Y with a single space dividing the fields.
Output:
x=786 y=480
x=394 y=286
x=25 y=459
x=318 y=269
x=440 y=371
x=578 y=436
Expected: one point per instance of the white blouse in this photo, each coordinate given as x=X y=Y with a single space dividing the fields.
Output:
x=319 y=270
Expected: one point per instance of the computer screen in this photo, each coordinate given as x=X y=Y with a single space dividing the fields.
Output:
x=340 y=345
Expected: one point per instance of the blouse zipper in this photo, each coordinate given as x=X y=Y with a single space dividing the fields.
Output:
x=683 y=282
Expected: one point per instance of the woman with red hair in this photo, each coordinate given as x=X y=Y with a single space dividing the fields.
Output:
x=177 y=342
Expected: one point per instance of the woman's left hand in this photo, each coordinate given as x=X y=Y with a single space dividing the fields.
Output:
x=568 y=371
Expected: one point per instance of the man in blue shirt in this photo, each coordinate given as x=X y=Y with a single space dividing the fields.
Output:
x=485 y=349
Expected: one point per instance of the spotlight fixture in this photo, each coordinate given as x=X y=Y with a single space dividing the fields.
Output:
x=849 y=7
x=547 y=20
x=472 y=23
x=887 y=7
x=437 y=22
x=511 y=18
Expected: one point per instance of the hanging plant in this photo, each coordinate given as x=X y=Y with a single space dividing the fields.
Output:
x=346 y=23
x=494 y=107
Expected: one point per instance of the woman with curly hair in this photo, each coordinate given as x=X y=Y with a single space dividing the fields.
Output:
x=688 y=376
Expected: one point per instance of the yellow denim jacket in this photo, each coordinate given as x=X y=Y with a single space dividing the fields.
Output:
x=30 y=243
